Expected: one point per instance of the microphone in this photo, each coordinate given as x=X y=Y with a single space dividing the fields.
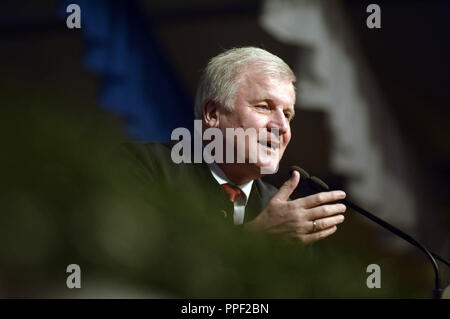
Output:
x=318 y=185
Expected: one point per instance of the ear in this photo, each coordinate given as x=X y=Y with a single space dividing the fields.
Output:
x=211 y=110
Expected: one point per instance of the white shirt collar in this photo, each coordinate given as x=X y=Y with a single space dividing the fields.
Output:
x=221 y=178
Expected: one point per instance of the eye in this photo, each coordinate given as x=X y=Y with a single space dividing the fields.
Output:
x=288 y=116
x=262 y=106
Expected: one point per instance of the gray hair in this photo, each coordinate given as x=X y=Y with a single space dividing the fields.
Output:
x=221 y=78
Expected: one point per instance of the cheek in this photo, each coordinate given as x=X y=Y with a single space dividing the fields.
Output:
x=287 y=138
x=225 y=122
x=233 y=120
x=252 y=119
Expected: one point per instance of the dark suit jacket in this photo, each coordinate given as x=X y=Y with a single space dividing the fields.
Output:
x=154 y=165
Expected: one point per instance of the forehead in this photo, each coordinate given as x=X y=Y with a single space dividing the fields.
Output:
x=257 y=86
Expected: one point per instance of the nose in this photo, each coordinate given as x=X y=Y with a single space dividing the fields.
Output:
x=279 y=121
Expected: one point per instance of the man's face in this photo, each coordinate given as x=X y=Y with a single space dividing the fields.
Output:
x=267 y=105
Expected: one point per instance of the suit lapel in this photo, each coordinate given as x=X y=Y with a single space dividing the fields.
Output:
x=260 y=195
x=255 y=203
x=214 y=194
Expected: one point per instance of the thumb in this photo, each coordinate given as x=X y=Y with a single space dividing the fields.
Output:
x=288 y=187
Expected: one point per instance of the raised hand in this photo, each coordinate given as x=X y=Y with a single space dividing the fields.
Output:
x=304 y=220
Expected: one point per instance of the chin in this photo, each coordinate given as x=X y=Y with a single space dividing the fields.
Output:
x=268 y=160
x=267 y=167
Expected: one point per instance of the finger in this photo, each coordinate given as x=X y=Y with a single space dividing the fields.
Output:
x=310 y=238
x=328 y=222
x=325 y=210
x=288 y=187
x=321 y=198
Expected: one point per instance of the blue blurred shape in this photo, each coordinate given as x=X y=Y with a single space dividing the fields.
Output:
x=136 y=78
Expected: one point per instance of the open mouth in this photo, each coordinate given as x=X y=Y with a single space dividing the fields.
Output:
x=271 y=145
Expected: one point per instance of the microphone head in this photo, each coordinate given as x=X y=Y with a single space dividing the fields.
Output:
x=319 y=182
x=303 y=174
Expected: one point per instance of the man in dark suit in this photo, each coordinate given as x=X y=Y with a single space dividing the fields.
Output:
x=249 y=89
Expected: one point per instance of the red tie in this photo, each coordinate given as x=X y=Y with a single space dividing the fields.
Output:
x=232 y=191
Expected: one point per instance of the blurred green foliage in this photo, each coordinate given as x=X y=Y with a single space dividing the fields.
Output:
x=65 y=198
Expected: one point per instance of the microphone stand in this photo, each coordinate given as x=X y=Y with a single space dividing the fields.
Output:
x=319 y=185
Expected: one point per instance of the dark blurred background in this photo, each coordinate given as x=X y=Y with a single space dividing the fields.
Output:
x=372 y=104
